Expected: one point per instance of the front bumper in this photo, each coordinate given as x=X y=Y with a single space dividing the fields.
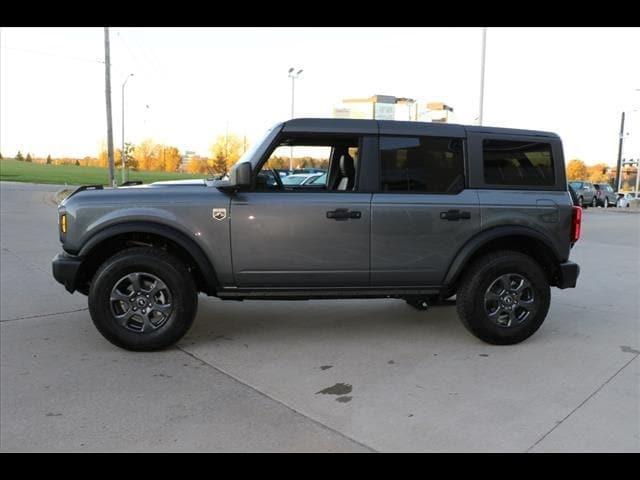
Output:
x=568 y=275
x=65 y=270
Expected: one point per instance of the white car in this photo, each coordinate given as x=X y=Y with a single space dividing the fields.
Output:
x=300 y=178
x=625 y=200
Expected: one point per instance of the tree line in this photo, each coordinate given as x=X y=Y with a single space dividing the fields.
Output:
x=600 y=173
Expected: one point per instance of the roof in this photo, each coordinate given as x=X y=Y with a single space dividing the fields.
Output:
x=369 y=126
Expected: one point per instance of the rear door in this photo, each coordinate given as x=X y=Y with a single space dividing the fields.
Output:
x=422 y=213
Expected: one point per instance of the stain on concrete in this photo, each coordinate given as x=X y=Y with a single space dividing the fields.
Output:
x=410 y=415
x=391 y=362
x=343 y=399
x=51 y=414
x=161 y=375
x=325 y=367
x=483 y=354
x=627 y=349
x=337 y=389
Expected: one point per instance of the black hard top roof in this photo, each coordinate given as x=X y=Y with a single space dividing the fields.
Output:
x=395 y=127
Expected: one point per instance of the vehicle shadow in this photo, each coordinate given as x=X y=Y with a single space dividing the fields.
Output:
x=342 y=321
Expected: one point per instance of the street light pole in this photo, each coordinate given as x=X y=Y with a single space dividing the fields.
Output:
x=484 y=47
x=293 y=77
x=620 y=142
x=122 y=154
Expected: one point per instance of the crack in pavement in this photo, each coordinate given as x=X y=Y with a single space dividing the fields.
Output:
x=581 y=404
x=43 y=315
x=326 y=427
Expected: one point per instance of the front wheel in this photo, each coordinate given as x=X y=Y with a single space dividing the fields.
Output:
x=594 y=202
x=606 y=202
x=503 y=298
x=143 y=299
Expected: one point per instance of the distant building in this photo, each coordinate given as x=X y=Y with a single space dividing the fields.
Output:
x=388 y=107
x=186 y=158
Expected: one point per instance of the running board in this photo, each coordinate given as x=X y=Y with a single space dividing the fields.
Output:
x=322 y=293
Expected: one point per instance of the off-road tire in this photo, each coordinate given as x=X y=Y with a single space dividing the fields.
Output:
x=164 y=266
x=480 y=276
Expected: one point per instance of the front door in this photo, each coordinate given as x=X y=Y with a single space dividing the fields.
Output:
x=307 y=226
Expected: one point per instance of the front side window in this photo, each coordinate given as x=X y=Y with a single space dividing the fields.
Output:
x=421 y=164
x=318 y=164
x=518 y=163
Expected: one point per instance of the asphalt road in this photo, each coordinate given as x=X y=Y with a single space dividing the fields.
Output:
x=344 y=376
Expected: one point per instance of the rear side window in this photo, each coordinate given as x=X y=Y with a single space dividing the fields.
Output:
x=508 y=162
x=421 y=164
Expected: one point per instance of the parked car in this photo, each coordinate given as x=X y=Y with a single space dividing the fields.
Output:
x=585 y=192
x=429 y=210
x=299 y=178
x=605 y=196
x=624 y=200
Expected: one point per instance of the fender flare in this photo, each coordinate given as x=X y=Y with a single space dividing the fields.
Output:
x=483 y=238
x=176 y=236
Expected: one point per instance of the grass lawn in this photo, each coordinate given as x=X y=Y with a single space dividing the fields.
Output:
x=15 y=171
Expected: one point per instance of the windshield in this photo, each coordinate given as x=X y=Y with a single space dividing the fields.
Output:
x=293 y=179
x=249 y=154
x=575 y=184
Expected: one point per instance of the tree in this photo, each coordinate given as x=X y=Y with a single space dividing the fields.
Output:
x=198 y=165
x=145 y=155
x=48 y=159
x=226 y=150
x=28 y=159
x=598 y=173
x=77 y=164
x=0 y=156
x=576 y=170
x=170 y=158
x=19 y=156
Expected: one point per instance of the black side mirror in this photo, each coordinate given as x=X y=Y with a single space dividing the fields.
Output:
x=242 y=175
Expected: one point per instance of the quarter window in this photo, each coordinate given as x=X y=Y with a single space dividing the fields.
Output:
x=509 y=162
x=421 y=164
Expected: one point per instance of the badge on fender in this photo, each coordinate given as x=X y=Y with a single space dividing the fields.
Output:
x=219 y=213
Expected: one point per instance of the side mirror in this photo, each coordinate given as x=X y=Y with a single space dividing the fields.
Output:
x=241 y=175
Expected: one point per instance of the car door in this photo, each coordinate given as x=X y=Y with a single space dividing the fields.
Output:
x=422 y=214
x=302 y=237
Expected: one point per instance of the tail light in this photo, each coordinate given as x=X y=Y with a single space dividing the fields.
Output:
x=576 y=224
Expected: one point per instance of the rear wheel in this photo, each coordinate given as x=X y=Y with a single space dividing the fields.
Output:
x=581 y=201
x=594 y=202
x=143 y=299
x=503 y=298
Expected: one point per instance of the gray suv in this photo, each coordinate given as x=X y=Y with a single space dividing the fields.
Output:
x=585 y=191
x=408 y=210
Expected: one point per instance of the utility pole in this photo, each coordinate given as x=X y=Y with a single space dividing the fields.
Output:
x=484 y=47
x=107 y=76
x=620 y=142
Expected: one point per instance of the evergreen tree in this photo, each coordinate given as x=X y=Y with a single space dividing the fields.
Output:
x=28 y=159
x=48 y=159
x=77 y=163
x=19 y=156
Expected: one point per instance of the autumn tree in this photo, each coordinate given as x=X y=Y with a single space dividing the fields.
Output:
x=576 y=170
x=198 y=165
x=226 y=150
x=145 y=154
x=598 y=173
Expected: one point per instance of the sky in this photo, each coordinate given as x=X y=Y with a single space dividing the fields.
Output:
x=192 y=84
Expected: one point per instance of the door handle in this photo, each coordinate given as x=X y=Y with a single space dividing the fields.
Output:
x=455 y=215
x=343 y=214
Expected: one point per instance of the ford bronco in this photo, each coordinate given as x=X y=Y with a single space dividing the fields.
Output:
x=409 y=210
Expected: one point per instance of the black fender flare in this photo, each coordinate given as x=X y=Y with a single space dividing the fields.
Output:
x=483 y=238
x=170 y=233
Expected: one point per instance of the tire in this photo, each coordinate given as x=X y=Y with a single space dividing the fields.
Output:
x=581 y=201
x=474 y=308
x=168 y=297
x=605 y=202
x=594 y=202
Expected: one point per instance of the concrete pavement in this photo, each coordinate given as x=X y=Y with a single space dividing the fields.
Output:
x=346 y=375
